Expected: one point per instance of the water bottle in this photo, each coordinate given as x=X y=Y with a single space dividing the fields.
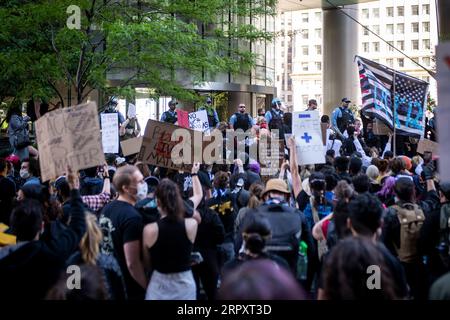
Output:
x=302 y=262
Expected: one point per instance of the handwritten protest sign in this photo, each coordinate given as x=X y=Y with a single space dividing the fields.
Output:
x=380 y=129
x=157 y=146
x=199 y=121
x=308 y=136
x=131 y=146
x=427 y=145
x=183 y=118
x=69 y=136
x=131 y=111
x=110 y=132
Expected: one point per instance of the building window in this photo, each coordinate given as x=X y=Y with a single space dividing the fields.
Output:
x=390 y=28
x=376 y=12
x=318 y=16
x=390 y=62
x=401 y=62
x=318 y=83
x=415 y=44
x=426 y=61
x=365 y=13
x=305 y=99
x=319 y=66
x=318 y=33
x=415 y=10
x=425 y=9
x=426 y=44
x=366 y=31
x=390 y=45
x=318 y=49
x=401 y=28
x=415 y=27
x=282 y=65
x=305 y=66
x=426 y=26
x=305 y=18
x=305 y=34
x=305 y=50
x=401 y=45
x=376 y=46
x=400 y=11
x=305 y=83
x=390 y=11
x=376 y=29
x=289 y=98
x=416 y=60
x=365 y=46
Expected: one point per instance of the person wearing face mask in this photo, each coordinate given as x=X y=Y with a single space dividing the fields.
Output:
x=29 y=171
x=122 y=227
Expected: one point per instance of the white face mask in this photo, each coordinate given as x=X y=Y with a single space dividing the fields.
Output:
x=24 y=174
x=142 y=190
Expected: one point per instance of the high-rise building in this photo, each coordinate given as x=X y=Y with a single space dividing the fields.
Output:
x=408 y=25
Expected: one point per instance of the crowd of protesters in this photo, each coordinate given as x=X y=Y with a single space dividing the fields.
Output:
x=364 y=225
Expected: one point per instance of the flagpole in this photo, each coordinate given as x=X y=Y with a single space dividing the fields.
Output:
x=394 y=113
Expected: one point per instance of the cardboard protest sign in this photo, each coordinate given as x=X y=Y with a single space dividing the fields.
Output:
x=380 y=129
x=131 y=146
x=183 y=118
x=427 y=145
x=69 y=136
x=110 y=132
x=199 y=121
x=308 y=136
x=131 y=111
x=157 y=146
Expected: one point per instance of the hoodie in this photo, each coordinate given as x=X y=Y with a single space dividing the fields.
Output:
x=29 y=269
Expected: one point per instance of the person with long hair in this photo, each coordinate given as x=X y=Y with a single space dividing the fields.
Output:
x=168 y=245
x=89 y=254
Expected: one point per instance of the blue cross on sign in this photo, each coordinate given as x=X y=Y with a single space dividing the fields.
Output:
x=306 y=137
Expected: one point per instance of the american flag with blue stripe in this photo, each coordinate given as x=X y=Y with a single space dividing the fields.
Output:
x=380 y=96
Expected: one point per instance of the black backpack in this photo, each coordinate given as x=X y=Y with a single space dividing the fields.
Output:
x=277 y=120
x=346 y=119
x=242 y=121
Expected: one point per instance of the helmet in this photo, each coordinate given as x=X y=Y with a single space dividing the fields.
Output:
x=276 y=101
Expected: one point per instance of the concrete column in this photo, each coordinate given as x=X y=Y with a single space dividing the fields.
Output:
x=340 y=45
x=444 y=22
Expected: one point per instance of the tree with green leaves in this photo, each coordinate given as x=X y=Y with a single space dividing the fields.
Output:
x=166 y=45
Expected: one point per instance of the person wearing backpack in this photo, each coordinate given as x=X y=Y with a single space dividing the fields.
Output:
x=402 y=229
x=241 y=119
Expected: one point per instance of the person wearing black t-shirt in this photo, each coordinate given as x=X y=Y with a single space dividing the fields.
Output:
x=168 y=244
x=122 y=227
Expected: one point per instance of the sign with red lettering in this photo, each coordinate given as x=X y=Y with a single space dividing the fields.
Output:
x=157 y=146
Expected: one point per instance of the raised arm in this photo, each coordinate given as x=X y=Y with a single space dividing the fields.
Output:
x=296 y=180
x=196 y=186
x=388 y=146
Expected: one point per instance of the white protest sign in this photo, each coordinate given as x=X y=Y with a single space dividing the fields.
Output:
x=110 y=132
x=443 y=114
x=308 y=137
x=131 y=111
x=199 y=121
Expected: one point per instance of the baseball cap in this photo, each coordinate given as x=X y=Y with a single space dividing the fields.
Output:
x=346 y=100
x=173 y=102
x=208 y=100
x=312 y=101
